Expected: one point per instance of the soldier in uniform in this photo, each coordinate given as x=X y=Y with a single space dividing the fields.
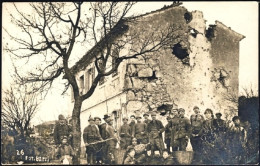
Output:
x=180 y=131
x=139 y=131
x=111 y=144
x=167 y=136
x=91 y=135
x=146 y=118
x=132 y=124
x=155 y=129
x=125 y=134
x=196 y=120
x=62 y=129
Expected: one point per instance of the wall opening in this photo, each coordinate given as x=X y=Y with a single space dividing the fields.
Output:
x=188 y=17
x=180 y=52
x=163 y=109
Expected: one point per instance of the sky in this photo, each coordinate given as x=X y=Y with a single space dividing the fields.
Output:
x=242 y=17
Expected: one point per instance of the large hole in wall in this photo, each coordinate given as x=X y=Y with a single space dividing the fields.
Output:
x=163 y=109
x=188 y=17
x=210 y=32
x=181 y=53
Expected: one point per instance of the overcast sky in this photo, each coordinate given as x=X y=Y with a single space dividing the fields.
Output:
x=242 y=17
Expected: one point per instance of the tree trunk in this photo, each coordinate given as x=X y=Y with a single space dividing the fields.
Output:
x=76 y=141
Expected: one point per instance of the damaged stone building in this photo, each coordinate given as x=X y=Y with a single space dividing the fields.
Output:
x=198 y=70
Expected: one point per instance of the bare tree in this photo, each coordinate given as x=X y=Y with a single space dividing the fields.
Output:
x=18 y=109
x=55 y=30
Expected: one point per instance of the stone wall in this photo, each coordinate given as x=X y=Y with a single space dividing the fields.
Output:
x=166 y=79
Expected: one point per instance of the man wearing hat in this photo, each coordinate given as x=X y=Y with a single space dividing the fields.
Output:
x=219 y=124
x=104 y=135
x=146 y=118
x=125 y=134
x=111 y=144
x=196 y=120
x=104 y=126
x=139 y=131
x=91 y=135
x=155 y=129
x=181 y=132
x=62 y=129
x=238 y=137
x=99 y=146
x=167 y=136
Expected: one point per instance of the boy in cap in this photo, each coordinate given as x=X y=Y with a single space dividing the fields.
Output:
x=139 y=131
x=125 y=134
x=91 y=135
x=65 y=151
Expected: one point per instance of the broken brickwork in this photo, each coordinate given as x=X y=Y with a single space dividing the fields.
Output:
x=198 y=70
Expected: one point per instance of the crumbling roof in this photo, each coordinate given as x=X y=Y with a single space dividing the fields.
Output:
x=174 y=4
x=118 y=30
x=238 y=35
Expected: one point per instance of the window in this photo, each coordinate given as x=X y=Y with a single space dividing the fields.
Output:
x=90 y=76
x=102 y=79
x=81 y=84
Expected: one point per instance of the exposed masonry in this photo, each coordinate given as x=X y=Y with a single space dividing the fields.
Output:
x=160 y=82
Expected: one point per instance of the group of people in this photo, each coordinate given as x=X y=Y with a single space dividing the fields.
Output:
x=213 y=141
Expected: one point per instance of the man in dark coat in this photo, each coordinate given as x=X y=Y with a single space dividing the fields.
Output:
x=132 y=124
x=167 y=136
x=196 y=120
x=238 y=137
x=155 y=129
x=219 y=124
x=91 y=135
x=62 y=129
x=99 y=146
x=125 y=134
x=180 y=131
x=139 y=131
x=104 y=135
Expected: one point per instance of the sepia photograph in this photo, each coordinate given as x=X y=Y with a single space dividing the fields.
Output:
x=130 y=83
